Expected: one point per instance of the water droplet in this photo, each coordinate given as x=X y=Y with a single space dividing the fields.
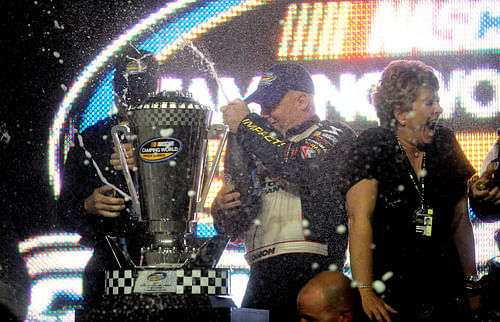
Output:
x=387 y=276
x=401 y=188
x=333 y=267
x=341 y=229
x=314 y=265
x=191 y=193
x=86 y=162
x=57 y=54
x=379 y=286
x=88 y=155
x=172 y=163
x=257 y=222
x=423 y=172
x=305 y=223
x=166 y=132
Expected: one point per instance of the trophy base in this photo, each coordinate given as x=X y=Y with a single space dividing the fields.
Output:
x=169 y=307
x=162 y=280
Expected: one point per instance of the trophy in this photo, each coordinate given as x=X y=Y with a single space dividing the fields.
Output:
x=169 y=132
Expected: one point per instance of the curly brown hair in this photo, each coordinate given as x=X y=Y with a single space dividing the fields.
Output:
x=399 y=87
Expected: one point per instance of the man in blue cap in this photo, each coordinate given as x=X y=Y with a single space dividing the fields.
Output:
x=299 y=227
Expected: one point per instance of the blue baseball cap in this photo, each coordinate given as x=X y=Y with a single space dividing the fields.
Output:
x=278 y=80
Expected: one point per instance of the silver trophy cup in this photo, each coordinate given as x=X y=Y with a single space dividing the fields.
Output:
x=169 y=132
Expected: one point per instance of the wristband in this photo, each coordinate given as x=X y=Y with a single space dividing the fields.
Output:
x=364 y=286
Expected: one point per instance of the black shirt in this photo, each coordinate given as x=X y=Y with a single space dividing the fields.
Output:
x=420 y=264
x=79 y=180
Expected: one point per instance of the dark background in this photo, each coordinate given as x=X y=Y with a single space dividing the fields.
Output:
x=31 y=78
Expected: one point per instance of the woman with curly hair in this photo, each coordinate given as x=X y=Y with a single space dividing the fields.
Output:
x=407 y=203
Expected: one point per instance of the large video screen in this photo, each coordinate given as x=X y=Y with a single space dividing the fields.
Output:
x=345 y=44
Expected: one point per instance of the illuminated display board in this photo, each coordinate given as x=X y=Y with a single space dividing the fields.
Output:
x=374 y=29
x=345 y=44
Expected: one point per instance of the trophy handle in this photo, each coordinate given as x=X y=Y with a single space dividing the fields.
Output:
x=115 y=133
x=215 y=131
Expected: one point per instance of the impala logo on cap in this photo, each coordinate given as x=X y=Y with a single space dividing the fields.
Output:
x=268 y=78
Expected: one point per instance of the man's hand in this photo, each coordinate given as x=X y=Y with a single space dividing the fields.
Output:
x=130 y=157
x=234 y=113
x=226 y=203
x=227 y=199
x=374 y=307
x=483 y=190
x=99 y=204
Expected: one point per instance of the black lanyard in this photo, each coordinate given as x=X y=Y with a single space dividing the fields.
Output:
x=419 y=186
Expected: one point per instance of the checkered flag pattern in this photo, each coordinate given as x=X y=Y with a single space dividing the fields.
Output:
x=196 y=281
x=170 y=117
x=211 y=282
x=119 y=282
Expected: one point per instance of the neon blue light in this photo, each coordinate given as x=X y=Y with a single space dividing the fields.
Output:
x=205 y=230
x=101 y=104
x=488 y=22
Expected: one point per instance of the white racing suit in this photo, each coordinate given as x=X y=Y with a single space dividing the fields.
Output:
x=301 y=211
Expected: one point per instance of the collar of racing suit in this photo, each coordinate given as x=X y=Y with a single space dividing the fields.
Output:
x=302 y=127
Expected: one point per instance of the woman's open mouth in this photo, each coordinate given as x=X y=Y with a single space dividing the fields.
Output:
x=431 y=125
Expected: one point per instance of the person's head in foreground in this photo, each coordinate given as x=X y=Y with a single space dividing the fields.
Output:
x=327 y=297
